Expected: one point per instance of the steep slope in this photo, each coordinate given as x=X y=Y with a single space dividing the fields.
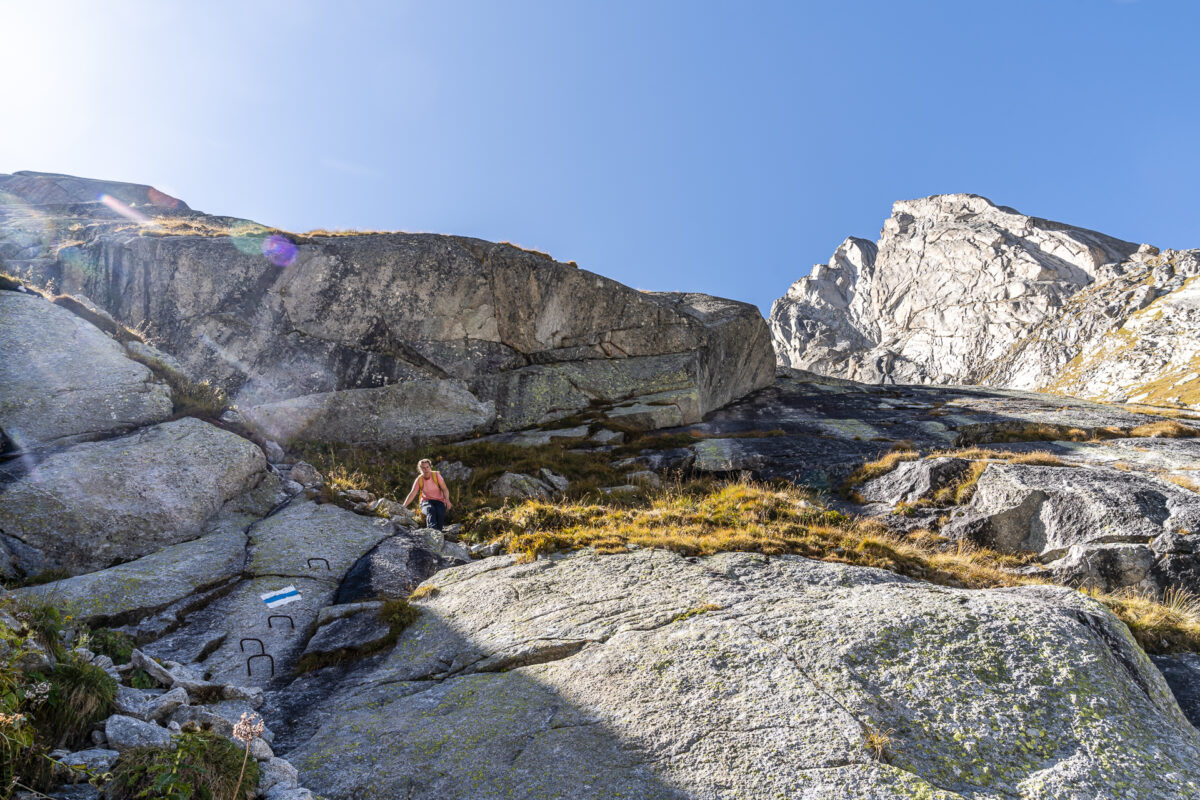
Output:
x=960 y=290
x=388 y=338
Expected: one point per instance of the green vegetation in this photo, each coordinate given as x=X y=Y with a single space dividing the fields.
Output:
x=200 y=765
x=116 y=645
x=81 y=695
x=189 y=398
x=48 y=697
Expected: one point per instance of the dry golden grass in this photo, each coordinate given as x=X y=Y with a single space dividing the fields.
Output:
x=1185 y=482
x=1167 y=625
x=704 y=518
x=962 y=490
x=424 y=591
x=880 y=466
x=344 y=232
x=1166 y=429
x=878 y=742
x=1037 y=458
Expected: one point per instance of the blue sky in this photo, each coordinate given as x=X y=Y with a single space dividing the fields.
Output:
x=715 y=147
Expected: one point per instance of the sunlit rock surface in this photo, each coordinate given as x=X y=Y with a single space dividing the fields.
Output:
x=98 y=503
x=63 y=381
x=652 y=675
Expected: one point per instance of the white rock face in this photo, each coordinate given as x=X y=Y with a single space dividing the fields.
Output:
x=955 y=287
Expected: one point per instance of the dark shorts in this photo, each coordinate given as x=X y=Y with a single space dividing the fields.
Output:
x=435 y=513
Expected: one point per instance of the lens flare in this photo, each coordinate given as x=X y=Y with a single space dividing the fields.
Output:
x=279 y=251
x=250 y=244
x=122 y=209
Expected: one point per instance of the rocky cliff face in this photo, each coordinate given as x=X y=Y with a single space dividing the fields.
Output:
x=960 y=290
x=385 y=338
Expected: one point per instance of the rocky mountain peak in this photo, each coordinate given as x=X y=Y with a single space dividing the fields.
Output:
x=955 y=289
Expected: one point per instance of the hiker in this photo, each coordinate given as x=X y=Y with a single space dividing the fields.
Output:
x=435 y=497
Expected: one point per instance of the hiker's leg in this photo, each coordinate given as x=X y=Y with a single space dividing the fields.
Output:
x=427 y=512
x=437 y=516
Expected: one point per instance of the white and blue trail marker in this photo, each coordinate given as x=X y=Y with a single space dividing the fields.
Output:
x=280 y=597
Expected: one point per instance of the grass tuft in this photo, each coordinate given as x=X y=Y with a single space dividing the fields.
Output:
x=878 y=742
x=199 y=765
x=81 y=695
x=1185 y=482
x=880 y=466
x=1166 y=429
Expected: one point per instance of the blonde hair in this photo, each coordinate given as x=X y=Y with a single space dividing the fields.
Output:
x=424 y=461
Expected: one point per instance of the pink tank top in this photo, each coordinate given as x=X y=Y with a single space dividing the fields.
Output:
x=431 y=488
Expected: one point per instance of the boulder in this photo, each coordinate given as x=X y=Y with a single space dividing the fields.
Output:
x=454 y=470
x=393 y=568
x=99 y=503
x=135 y=589
x=1046 y=510
x=161 y=707
x=653 y=675
x=1106 y=566
x=518 y=486
x=277 y=773
x=310 y=540
x=125 y=733
x=305 y=474
x=350 y=633
x=552 y=479
x=913 y=480
x=398 y=514
x=64 y=381
x=644 y=478
x=677 y=459
x=95 y=761
x=151 y=667
x=346 y=338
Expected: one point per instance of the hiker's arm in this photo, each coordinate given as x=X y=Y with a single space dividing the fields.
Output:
x=445 y=493
x=413 y=493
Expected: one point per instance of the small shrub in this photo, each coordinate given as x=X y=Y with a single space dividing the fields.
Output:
x=44 y=620
x=81 y=695
x=117 y=645
x=140 y=679
x=397 y=614
x=200 y=765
